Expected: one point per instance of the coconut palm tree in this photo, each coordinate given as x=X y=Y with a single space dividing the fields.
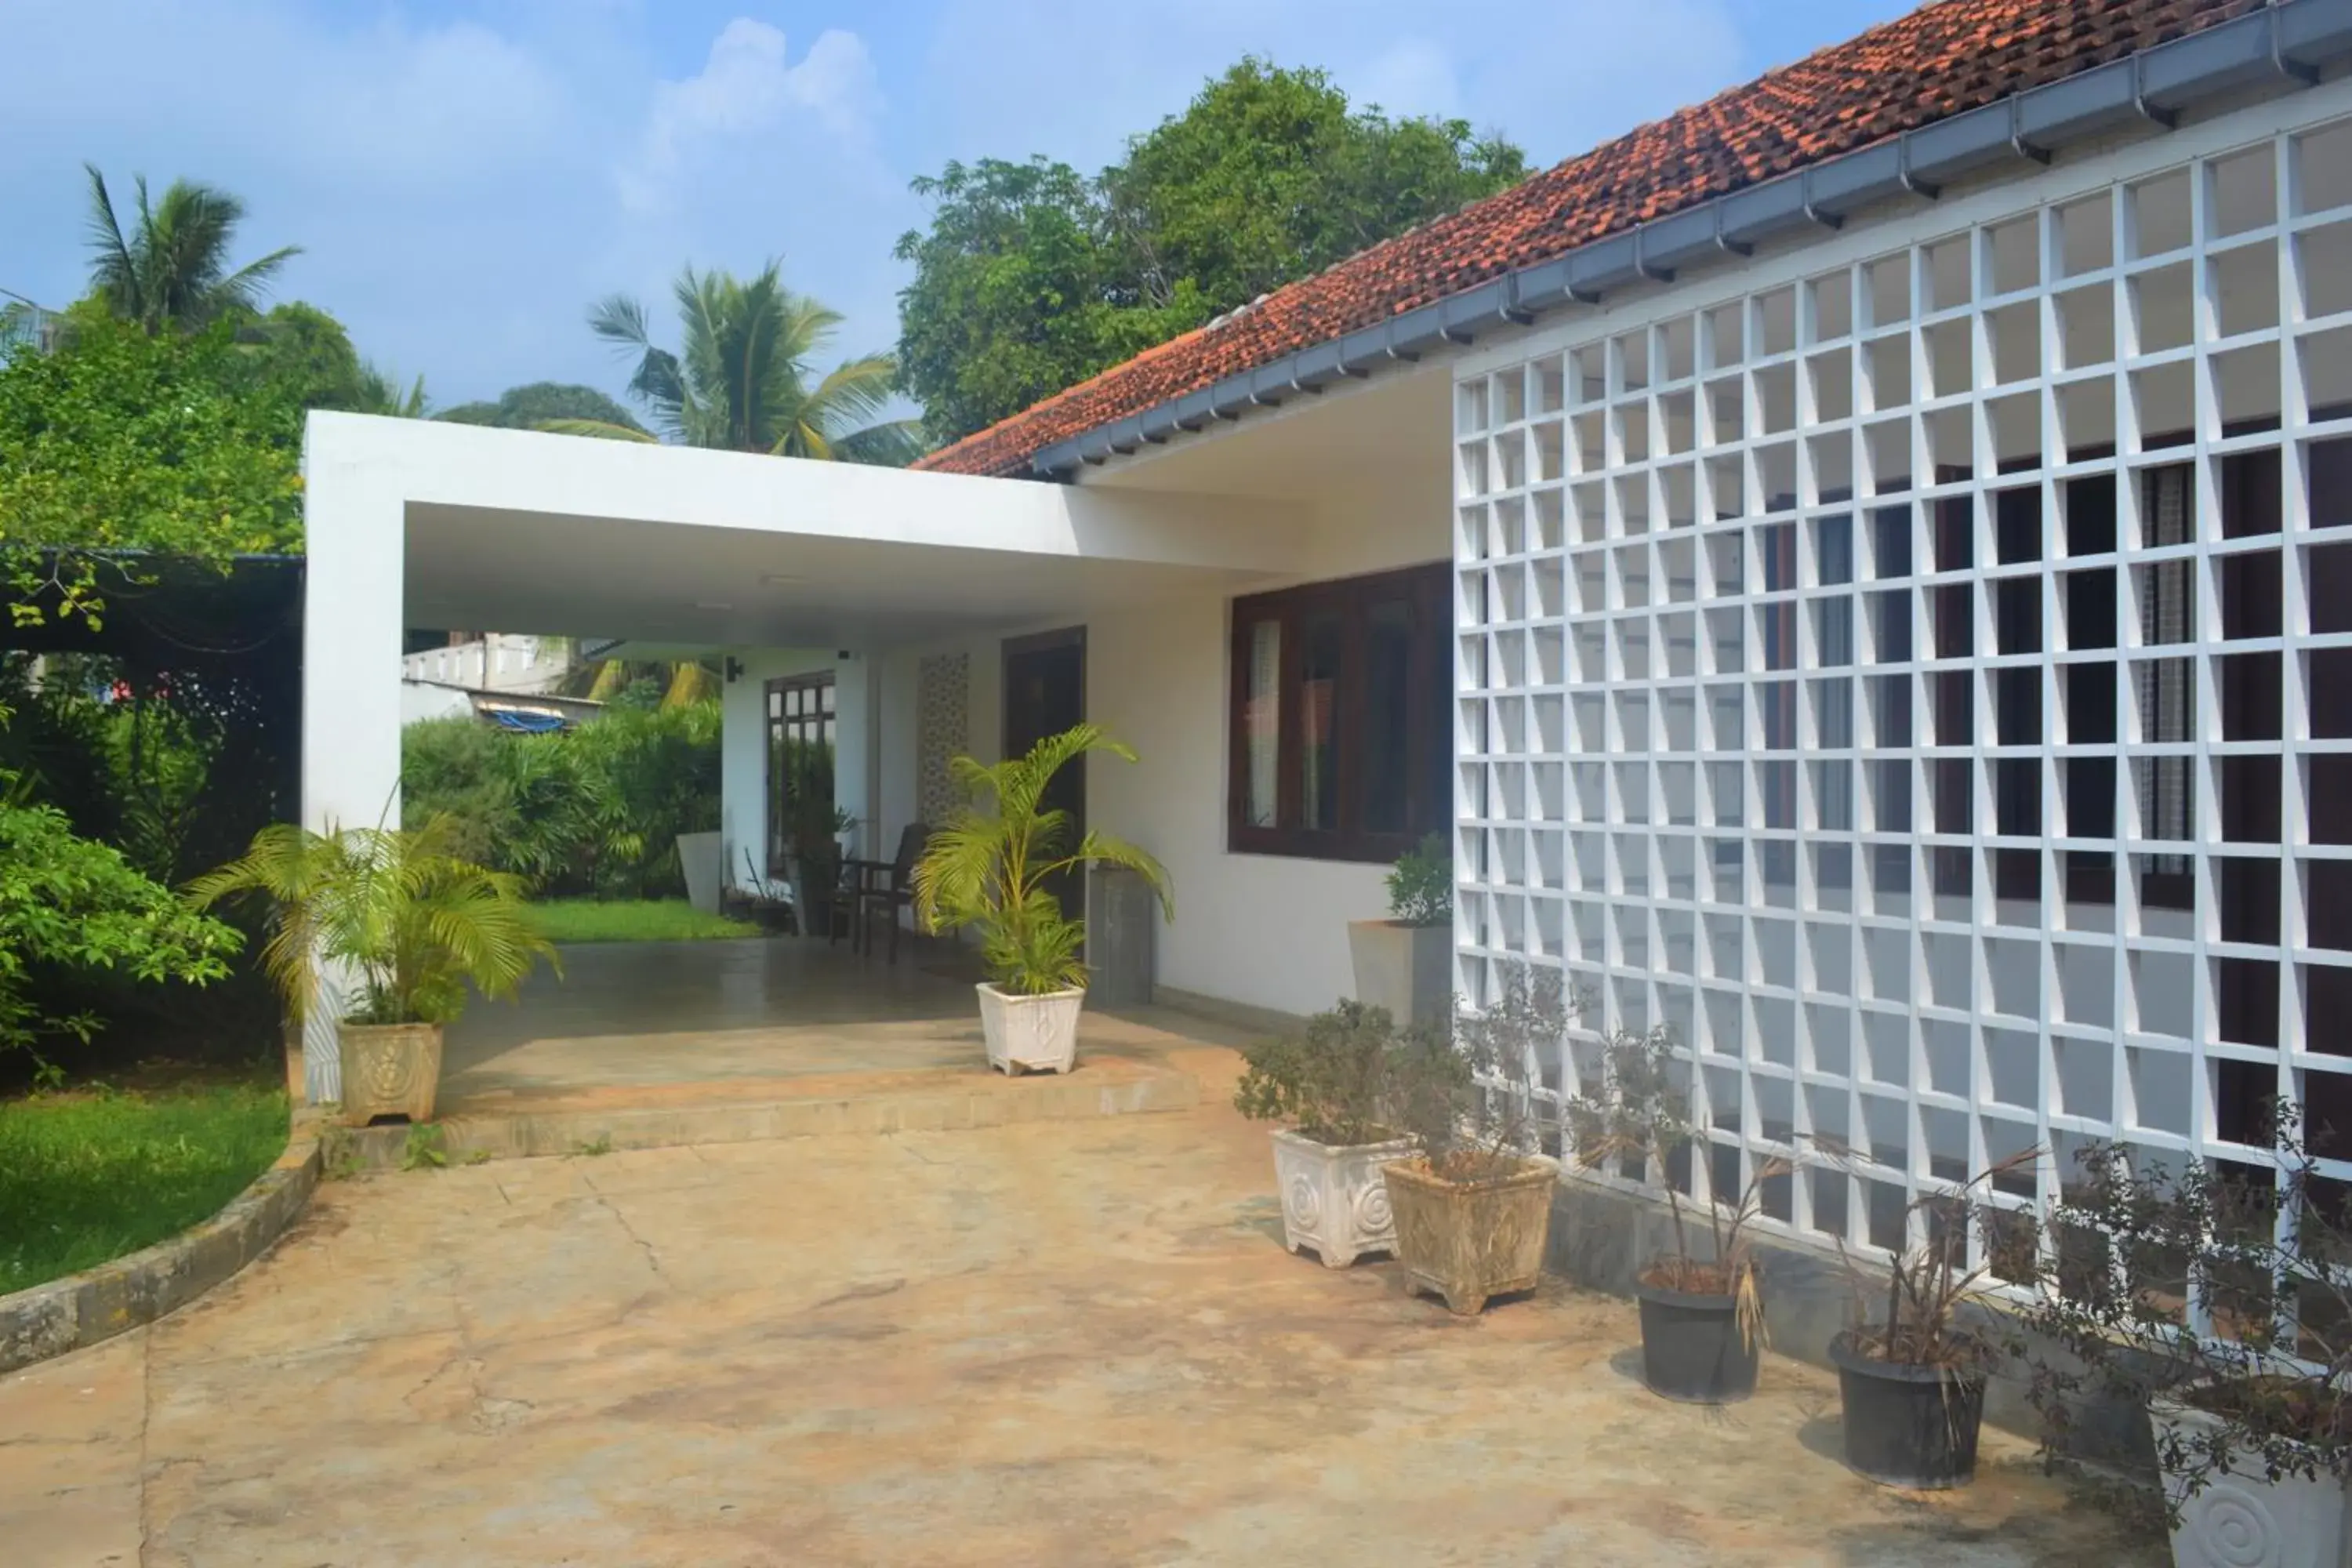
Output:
x=172 y=268
x=379 y=392
x=745 y=380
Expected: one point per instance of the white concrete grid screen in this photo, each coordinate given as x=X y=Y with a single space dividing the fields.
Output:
x=1925 y=680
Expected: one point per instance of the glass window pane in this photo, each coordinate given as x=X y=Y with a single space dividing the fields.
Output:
x=1318 y=722
x=1261 y=723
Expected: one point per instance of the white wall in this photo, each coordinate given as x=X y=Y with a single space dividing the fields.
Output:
x=1261 y=929
x=423 y=700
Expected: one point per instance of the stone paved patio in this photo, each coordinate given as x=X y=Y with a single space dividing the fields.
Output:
x=1075 y=1342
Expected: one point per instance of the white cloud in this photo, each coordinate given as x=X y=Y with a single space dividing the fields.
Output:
x=748 y=88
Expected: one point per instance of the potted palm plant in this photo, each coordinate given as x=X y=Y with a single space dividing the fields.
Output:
x=410 y=923
x=1473 y=1207
x=991 y=870
x=1702 y=1312
x=1405 y=963
x=1912 y=1383
x=1330 y=1083
x=2221 y=1306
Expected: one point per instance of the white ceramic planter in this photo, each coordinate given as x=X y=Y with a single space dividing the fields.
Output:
x=1030 y=1034
x=1334 y=1197
x=2239 y=1519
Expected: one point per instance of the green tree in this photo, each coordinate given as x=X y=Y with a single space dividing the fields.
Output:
x=743 y=379
x=540 y=403
x=1268 y=176
x=72 y=903
x=1030 y=279
x=172 y=268
x=1019 y=291
x=303 y=353
x=123 y=443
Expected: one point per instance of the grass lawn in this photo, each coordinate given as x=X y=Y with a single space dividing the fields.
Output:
x=90 y=1175
x=632 y=920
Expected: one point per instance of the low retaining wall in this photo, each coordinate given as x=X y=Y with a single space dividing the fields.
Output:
x=1601 y=1236
x=100 y=1303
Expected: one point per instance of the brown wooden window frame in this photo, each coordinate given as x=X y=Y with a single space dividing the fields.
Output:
x=1429 y=791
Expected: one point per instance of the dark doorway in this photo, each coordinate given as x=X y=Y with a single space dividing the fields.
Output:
x=1045 y=694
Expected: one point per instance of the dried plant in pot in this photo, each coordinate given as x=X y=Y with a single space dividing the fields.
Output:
x=1911 y=1367
x=1703 y=1333
x=1405 y=963
x=2220 y=1301
x=1473 y=1207
x=1330 y=1083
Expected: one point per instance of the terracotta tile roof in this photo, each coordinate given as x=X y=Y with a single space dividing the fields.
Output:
x=1938 y=60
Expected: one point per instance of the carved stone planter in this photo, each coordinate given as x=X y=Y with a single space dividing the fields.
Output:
x=1030 y=1034
x=1334 y=1197
x=1409 y=969
x=2238 y=1517
x=1468 y=1240
x=389 y=1069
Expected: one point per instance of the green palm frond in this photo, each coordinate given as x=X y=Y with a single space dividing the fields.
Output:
x=416 y=922
x=743 y=378
x=601 y=429
x=986 y=868
x=171 y=267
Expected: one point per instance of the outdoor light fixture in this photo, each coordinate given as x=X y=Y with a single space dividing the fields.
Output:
x=734 y=669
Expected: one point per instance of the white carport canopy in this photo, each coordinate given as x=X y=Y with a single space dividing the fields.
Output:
x=415 y=523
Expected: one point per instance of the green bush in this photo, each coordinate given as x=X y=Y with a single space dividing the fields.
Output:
x=595 y=811
x=1421 y=886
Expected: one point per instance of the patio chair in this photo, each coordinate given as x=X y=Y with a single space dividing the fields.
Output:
x=887 y=885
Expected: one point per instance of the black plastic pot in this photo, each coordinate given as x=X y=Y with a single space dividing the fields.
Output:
x=1692 y=1349
x=1909 y=1425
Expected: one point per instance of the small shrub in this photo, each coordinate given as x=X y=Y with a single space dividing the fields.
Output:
x=423 y=1149
x=2138 y=1242
x=1466 y=1097
x=1421 y=884
x=1332 y=1081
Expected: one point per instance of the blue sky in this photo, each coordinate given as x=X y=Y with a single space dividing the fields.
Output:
x=468 y=176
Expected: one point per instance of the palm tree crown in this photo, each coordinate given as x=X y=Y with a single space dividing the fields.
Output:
x=744 y=380
x=172 y=268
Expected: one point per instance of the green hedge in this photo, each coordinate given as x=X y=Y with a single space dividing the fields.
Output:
x=595 y=811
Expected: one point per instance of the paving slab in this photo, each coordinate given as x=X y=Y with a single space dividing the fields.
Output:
x=1071 y=1342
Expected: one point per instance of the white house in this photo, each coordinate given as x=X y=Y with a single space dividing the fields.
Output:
x=1862 y=569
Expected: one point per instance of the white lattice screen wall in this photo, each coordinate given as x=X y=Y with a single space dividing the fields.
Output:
x=1919 y=669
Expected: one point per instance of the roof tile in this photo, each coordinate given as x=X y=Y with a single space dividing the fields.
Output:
x=1938 y=61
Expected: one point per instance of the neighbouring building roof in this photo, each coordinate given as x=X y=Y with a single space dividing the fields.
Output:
x=1938 y=61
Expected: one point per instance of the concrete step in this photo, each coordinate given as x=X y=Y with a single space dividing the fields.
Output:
x=661 y=1115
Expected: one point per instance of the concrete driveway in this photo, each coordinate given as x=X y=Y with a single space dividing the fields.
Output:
x=1075 y=1342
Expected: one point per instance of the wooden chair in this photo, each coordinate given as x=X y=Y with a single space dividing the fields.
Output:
x=887 y=885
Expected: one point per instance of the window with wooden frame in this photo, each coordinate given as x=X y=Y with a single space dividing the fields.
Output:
x=1341 y=748
x=799 y=757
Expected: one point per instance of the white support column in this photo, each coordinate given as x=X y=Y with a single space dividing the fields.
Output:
x=354 y=524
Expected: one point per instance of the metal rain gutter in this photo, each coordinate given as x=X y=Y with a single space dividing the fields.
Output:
x=2291 y=41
